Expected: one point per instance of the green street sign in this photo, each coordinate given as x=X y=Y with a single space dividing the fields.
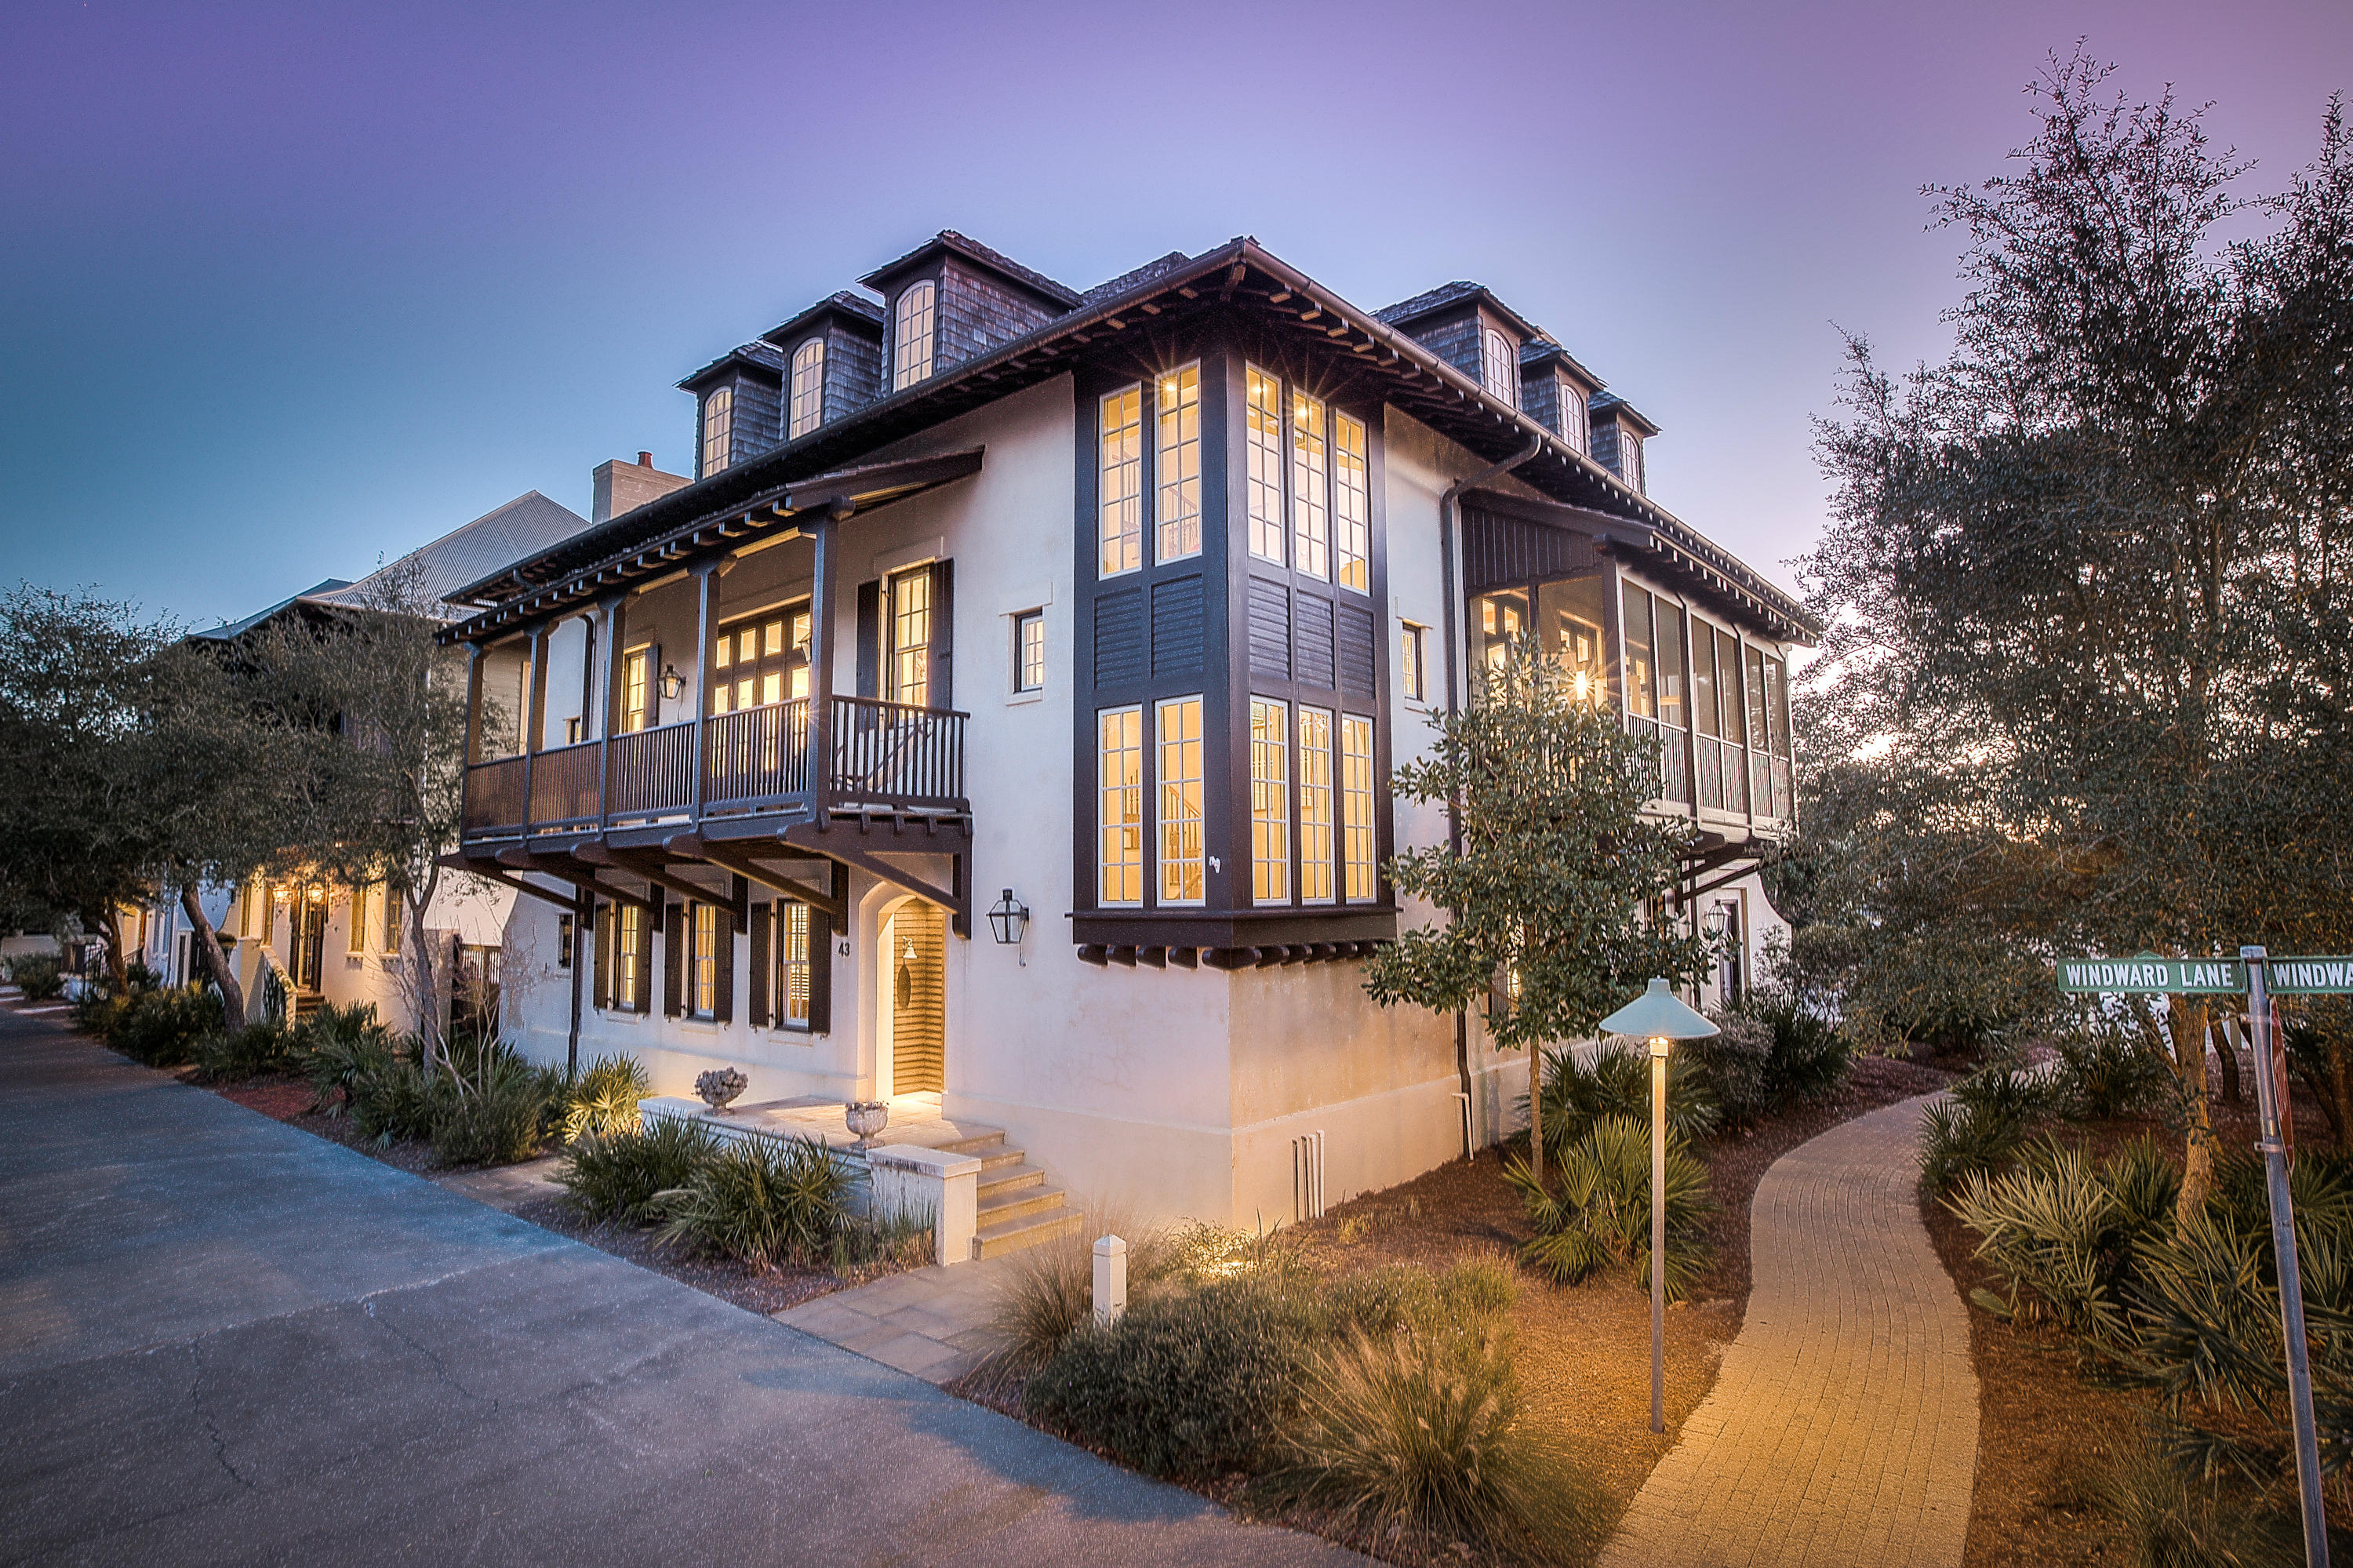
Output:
x=2149 y=973
x=2311 y=977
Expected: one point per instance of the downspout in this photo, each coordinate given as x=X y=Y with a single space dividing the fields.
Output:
x=1447 y=575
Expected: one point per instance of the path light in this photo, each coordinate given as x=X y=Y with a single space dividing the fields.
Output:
x=1658 y=1016
x=1009 y=920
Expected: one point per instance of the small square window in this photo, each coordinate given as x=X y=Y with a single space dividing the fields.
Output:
x=1029 y=651
x=564 y=941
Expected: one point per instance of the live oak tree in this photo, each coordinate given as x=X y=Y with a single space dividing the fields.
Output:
x=1552 y=882
x=2085 y=680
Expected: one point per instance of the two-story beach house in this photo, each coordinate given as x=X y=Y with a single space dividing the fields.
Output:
x=1000 y=724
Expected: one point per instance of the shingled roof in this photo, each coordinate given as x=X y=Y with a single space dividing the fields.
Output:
x=974 y=250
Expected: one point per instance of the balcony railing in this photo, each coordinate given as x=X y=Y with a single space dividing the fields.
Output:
x=1730 y=777
x=885 y=756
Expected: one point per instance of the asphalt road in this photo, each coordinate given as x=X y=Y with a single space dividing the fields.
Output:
x=224 y=1340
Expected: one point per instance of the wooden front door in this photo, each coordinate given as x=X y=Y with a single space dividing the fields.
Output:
x=310 y=938
x=917 y=954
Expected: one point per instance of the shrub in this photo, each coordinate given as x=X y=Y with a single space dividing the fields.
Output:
x=2105 y=1071
x=499 y=1113
x=393 y=1101
x=1600 y=1218
x=1198 y=1252
x=1467 y=1298
x=39 y=976
x=762 y=1199
x=866 y=1244
x=1811 y=1057
x=160 y=1028
x=615 y=1175
x=2171 y=1520
x=258 y=1048
x=604 y=1100
x=1618 y=1085
x=1421 y=1435
x=1193 y=1383
x=1736 y=1062
x=2057 y=1233
x=340 y=1068
x=1984 y=1120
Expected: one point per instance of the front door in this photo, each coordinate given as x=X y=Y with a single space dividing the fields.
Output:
x=916 y=954
x=310 y=937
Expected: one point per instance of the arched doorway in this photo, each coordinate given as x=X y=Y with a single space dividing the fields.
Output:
x=914 y=960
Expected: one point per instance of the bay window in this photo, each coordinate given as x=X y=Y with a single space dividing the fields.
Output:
x=1356 y=840
x=1177 y=733
x=1311 y=518
x=1270 y=775
x=1119 y=806
x=1262 y=465
x=1316 y=803
x=1351 y=503
x=1119 y=502
x=1176 y=462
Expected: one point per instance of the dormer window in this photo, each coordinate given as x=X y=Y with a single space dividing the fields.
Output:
x=1630 y=459
x=718 y=428
x=1499 y=366
x=1573 y=416
x=911 y=334
x=808 y=389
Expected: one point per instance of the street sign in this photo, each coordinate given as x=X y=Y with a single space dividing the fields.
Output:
x=2148 y=974
x=2311 y=977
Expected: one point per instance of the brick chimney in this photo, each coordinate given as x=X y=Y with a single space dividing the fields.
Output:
x=626 y=486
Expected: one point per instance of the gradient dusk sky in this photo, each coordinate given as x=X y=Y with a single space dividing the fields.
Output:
x=285 y=291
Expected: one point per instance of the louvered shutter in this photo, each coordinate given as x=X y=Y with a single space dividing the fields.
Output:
x=674 y=959
x=943 y=693
x=870 y=639
x=723 y=970
x=758 y=973
x=603 y=989
x=820 y=936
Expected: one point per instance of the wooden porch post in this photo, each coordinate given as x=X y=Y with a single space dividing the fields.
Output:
x=610 y=718
x=706 y=630
x=534 y=717
x=822 y=608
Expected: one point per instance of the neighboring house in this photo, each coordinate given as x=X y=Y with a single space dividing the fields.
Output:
x=1115 y=608
x=344 y=945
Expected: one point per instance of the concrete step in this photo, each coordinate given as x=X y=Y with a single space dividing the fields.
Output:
x=979 y=1140
x=1017 y=1203
x=1013 y=1235
x=1002 y=1179
x=998 y=1159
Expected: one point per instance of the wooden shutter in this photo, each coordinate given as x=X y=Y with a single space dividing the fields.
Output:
x=760 y=965
x=870 y=639
x=820 y=936
x=942 y=634
x=603 y=990
x=673 y=959
x=723 y=970
x=649 y=917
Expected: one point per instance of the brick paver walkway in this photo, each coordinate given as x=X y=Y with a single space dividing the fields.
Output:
x=1843 y=1429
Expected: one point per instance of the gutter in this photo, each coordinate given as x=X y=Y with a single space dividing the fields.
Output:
x=1449 y=575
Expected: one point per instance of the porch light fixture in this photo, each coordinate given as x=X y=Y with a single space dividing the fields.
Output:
x=1660 y=1017
x=1716 y=921
x=672 y=682
x=1009 y=920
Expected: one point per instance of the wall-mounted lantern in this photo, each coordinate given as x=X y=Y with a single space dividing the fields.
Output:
x=1009 y=920
x=1716 y=921
x=672 y=682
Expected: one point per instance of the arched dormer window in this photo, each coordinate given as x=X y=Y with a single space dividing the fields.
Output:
x=718 y=429
x=911 y=334
x=1573 y=416
x=1499 y=366
x=808 y=388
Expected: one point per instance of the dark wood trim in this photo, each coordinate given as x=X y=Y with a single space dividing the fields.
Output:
x=491 y=871
x=1233 y=929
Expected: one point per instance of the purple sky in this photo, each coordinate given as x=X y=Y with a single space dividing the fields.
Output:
x=284 y=290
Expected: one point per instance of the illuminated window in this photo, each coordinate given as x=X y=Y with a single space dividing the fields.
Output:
x=1029 y=651
x=1315 y=806
x=637 y=690
x=629 y=968
x=792 y=963
x=355 y=936
x=393 y=907
x=1270 y=753
x=1641 y=677
x=1177 y=463
x=911 y=334
x=1413 y=662
x=1120 y=504
x=808 y=388
x=911 y=638
x=1263 y=447
x=1311 y=515
x=703 y=960
x=1177 y=725
x=718 y=426
x=1351 y=503
x=1119 y=793
x=1356 y=807
x=1499 y=366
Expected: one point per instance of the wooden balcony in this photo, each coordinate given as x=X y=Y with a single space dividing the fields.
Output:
x=885 y=757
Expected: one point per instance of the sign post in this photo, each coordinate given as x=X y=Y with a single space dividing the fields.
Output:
x=2270 y=1114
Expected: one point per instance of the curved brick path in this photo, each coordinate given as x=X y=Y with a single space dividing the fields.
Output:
x=1843 y=1429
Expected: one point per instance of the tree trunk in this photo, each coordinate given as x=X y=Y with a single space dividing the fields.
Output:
x=2188 y=1021
x=1536 y=1114
x=117 y=963
x=207 y=944
x=2226 y=1053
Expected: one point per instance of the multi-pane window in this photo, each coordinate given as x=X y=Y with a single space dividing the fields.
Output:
x=1177 y=463
x=761 y=662
x=912 y=336
x=1176 y=725
x=1315 y=804
x=1499 y=366
x=1573 y=416
x=1311 y=515
x=392 y=905
x=911 y=638
x=628 y=945
x=1351 y=503
x=1119 y=795
x=1120 y=500
x=1262 y=470
x=1356 y=807
x=1642 y=689
x=718 y=428
x=1630 y=459
x=793 y=959
x=355 y=936
x=637 y=690
x=563 y=940
x=808 y=388
x=1413 y=662
x=1270 y=761
x=703 y=960
x=1029 y=650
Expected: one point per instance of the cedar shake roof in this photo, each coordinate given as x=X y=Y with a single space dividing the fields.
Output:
x=760 y=355
x=1610 y=405
x=974 y=250
x=842 y=303
x=1144 y=274
x=1538 y=350
x=740 y=504
x=1451 y=294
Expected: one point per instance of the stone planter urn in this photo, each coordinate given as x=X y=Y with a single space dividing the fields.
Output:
x=865 y=1117
x=721 y=1088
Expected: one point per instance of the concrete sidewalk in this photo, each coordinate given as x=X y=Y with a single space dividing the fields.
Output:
x=224 y=1340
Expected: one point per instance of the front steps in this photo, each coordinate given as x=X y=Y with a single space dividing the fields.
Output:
x=1017 y=1208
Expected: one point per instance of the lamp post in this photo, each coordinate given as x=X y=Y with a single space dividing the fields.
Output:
x=1660 y=1017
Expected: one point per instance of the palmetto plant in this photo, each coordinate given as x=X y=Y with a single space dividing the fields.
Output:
x=604 y=1100
x=1600 y=1218
x=763 y=1200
